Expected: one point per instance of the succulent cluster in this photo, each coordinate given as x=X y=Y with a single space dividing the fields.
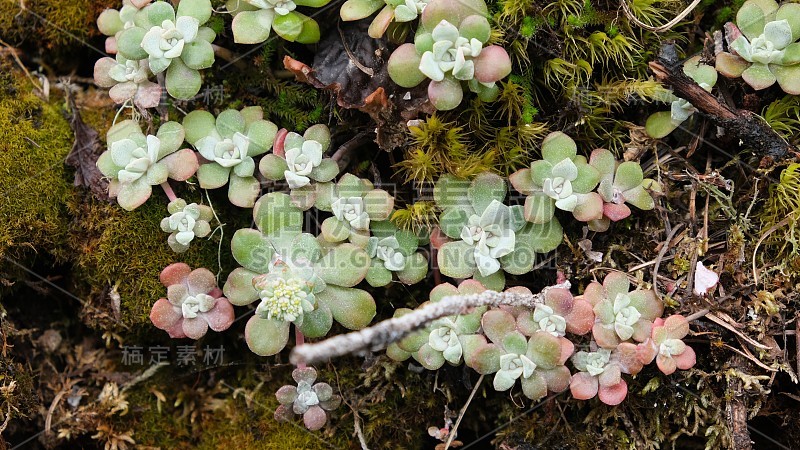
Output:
x=135 y=163
x=450 y=50
x=186 y=222
x=594 y=191
x=194 y=303
x=534 y=345
x=311 y=400
x=153 y=38
x=227 y=145
x=254 y=19
x=763 y=47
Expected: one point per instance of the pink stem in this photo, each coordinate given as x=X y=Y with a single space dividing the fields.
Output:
x=168 y=190
x=299 y=339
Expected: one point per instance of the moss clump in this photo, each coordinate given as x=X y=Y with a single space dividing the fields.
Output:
x=113 y=247
x=34 y=182
x=50 y=24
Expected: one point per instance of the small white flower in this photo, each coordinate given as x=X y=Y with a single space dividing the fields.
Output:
x=284 y=297
x=228 y=152
x=134 y=159
x=549 y=321
x=450 y=53
x=387 y=250
x=593 y=362
x=559 y=186
x=351 y=210
x=443 y=338
x=166 y=42
x=301 y=161
x=625 y=316
x=195 y=304
x=491 y=236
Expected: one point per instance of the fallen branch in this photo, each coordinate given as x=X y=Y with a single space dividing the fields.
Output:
x=741 y=124
x=377 y=337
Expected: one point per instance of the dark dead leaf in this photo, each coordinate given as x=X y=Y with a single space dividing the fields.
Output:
x=353 y=66
x=83 y=157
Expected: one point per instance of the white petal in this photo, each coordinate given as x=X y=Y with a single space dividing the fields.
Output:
x=567 y=204
x=206 y=147
x=296 y=181
x=430 y=68
x=445 y=31
x=704 y=279
x=188 y=27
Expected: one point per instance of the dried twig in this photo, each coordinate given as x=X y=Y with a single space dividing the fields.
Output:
x=452 y=433
x=377 y=337
x=741 y=124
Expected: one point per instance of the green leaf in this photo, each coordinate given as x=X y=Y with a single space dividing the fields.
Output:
x=243 y=191
x=289 y=26
x=344 y=265
x=199 y=9
x=182 y=82
x=272 y=166
x=352 y=308
x=198 y=124
x=252 y=250
x=198 y=55
x=456 y=259
x=484 y=189
x=266 y=337
x=129 y=43
x=317 y=323
x=660 y=124
x=239 y=288
x=274 y=213
x=557 y=146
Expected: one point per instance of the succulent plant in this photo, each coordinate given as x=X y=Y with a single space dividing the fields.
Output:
x=185 y=223
x=559 y=314
x=399 y=11
x=562 y=180
x=621 y=183
x=667 y=347
x=450 y=48
x=254 y=19
x=394 y=252
x=662 y=123
x=228 y=145
x=762 y=46
x=127 y=80
x=601 y=373
x=135 y=162
x=294 y=278
x=355 y=204
x=175 y=42
x=309 y=399
x=621 y=315
x=538 y=361
x=300 y=161
x=449 y=339
x=194 y=303
x=111 y=21
x=487 y=235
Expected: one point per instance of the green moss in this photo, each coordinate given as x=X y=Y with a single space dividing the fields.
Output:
x=34 y=182
x=115 y=247
x=51 y=24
